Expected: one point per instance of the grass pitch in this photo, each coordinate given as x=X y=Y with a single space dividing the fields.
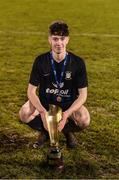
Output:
x=94 y=30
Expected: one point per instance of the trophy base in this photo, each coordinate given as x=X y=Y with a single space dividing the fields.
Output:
x=55 y=159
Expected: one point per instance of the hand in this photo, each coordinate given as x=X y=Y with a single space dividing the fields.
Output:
x=63 y=121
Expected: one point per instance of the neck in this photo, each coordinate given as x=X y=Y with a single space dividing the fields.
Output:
x=58 y=57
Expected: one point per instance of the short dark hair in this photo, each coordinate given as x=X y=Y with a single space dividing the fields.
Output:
x=59 y=28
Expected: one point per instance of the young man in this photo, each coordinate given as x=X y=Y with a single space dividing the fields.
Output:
x=62 y=80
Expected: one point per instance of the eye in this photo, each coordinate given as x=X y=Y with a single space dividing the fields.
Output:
x=62 y=38
x=55 y=39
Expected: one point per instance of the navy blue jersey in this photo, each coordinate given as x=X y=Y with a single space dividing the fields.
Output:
x=75 y=77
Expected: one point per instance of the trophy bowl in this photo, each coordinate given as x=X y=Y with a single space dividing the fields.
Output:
x=54 y=157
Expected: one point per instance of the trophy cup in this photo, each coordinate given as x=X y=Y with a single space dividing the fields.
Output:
x=54 y=157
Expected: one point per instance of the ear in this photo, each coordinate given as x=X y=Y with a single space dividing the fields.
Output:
x=67 y=40
x=49 y=39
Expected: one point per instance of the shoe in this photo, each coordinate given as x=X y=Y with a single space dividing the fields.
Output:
x=71 y=140
x=42 y=139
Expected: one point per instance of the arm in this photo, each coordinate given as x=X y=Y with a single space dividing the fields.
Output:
x=32 y=96
x=78 y=102
x=74 y=107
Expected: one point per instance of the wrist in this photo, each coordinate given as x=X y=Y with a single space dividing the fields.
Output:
x=68 y=112
x=42 y=110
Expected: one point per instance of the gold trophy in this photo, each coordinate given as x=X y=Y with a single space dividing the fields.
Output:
x=54 y=157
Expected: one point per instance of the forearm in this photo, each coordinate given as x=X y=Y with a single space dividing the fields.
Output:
x=78 y=102
x=35 y=101
x=32 y=96
x=74 y=107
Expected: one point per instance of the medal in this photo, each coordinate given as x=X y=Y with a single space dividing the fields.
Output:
x=59 y=99
x=58 y=81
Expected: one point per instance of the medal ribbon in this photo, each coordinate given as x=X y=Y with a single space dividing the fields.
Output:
x=58 y=82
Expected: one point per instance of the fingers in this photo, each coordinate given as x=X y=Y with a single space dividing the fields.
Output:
x=61 y=125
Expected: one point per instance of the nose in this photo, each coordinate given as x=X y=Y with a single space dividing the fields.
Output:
x=59 y=41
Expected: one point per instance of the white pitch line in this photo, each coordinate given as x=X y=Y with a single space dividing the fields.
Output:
x=76 y=34
x=98 y=35
x=23 y=32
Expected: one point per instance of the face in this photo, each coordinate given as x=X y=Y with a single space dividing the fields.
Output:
x=58 y=43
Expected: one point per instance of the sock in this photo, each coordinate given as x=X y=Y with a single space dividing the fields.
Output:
x=71 y=127
x=36 y=124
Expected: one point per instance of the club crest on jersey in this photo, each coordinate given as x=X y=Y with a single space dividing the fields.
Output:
x=68 y=75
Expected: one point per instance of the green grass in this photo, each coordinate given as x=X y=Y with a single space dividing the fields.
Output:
x=97 y=155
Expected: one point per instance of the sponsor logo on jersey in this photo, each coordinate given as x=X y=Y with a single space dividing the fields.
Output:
x=57 y=91
x=67 y=75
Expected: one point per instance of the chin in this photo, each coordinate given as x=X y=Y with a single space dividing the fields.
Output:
x=59 y=52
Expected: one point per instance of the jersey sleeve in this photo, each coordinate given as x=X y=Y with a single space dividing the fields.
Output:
x=81 y=75
x=35 y=73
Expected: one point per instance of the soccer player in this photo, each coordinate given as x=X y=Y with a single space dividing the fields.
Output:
x=61 y=79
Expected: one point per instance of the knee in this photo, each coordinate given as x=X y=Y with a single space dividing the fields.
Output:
x=23 y=114
x=85 y=121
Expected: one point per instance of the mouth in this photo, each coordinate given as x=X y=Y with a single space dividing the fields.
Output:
x=58 y=47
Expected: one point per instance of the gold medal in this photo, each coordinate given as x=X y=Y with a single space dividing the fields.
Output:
x=59 y=99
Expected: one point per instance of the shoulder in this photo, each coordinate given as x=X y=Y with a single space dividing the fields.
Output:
x=76 y=59
x=42 y=57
